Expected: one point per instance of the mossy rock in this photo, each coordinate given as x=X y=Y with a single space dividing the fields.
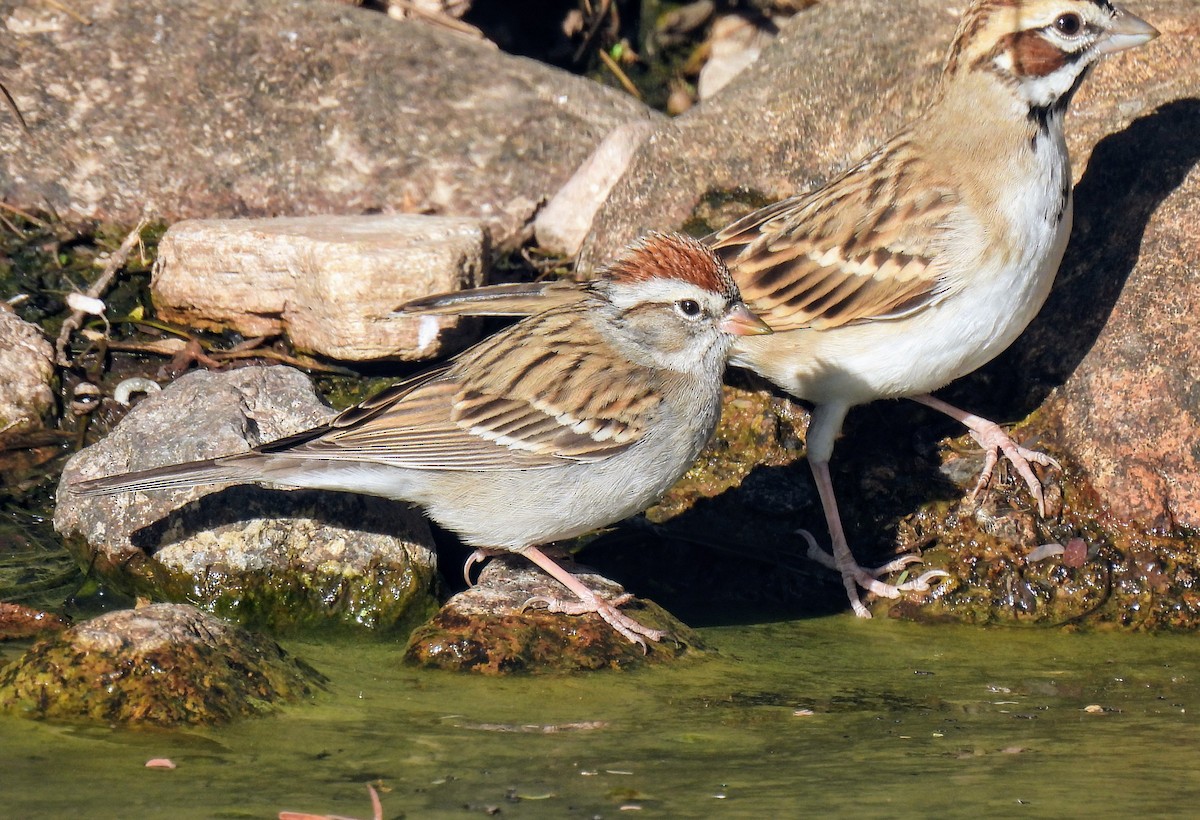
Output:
x=488 y=630
x=160 y=665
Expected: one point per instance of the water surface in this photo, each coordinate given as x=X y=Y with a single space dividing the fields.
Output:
x=823 y=717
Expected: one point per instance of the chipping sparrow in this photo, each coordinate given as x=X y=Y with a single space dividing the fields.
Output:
x=568 y=421
x=926 y=259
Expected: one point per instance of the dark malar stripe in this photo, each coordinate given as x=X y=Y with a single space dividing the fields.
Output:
x=1041 y=115
x=1064 y=197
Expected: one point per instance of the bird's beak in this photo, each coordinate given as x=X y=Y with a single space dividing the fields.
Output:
x=741 y=321
x=1128 y=31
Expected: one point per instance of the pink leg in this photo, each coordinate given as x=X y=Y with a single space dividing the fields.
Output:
x=842 y=560
x=589 y=601
x=995 y=441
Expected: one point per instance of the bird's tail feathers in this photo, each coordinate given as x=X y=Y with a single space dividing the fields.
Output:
x=520 y=299
x=173 y=477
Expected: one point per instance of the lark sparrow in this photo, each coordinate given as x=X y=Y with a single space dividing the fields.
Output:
x=927 y=258
x=568 y=421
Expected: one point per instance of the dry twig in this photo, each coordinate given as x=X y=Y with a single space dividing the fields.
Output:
x=67 y=10
x=621 y=76
x=406 y=8
x=12 y=104
x=28 y=217
x=596 y=20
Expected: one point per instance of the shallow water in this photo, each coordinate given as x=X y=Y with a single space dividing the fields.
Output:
x=905 y=720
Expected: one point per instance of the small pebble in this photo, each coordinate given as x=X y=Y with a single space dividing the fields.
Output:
x=1075 y=553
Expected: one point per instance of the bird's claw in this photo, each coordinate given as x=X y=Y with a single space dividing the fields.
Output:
x=565 y=607
x=477 y=557
x=854 y=576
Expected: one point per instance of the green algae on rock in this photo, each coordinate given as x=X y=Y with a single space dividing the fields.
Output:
x=287 y=561
x=1004 y=570
x=161 y=665
x=486 y=630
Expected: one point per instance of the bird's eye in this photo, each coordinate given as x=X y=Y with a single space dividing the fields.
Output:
x=1068 y=24
x=688 y=307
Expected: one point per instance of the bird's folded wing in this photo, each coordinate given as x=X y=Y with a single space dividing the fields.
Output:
x=861 y=249
x=498 y=406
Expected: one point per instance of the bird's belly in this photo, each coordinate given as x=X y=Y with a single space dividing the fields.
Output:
x=513 y=509
x=526 y=508
x=507 y=509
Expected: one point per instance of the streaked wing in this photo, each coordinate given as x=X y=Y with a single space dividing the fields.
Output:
x=559 y=364
x=532 y=396
x=858 y=250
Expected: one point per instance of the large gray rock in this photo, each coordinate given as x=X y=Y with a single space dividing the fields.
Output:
x=214 y=108
x=27 y=365
x=269 y=557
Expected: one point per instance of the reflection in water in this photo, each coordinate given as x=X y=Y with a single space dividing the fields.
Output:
x=824 y=717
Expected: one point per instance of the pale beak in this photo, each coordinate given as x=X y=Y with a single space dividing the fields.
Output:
x=741 y=321
x=1128 y=31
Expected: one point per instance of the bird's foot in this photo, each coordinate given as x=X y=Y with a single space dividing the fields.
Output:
x=995 y=441
x=855 y=576
x=630 y=629
x=589 y=601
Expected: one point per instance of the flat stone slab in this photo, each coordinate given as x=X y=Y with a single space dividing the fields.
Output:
x=329 y=282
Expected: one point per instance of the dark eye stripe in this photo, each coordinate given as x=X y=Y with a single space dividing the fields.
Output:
x=1032 y=54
